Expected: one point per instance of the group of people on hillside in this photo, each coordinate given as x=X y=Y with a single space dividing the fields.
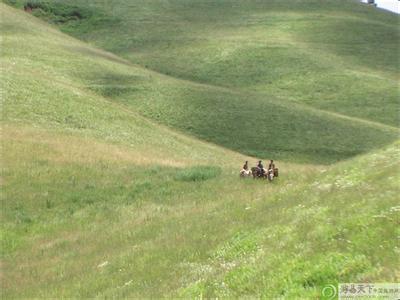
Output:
x=259 y=168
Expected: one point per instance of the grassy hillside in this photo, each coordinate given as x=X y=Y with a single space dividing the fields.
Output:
x=98 y=201
x=79 y=225
x=340 y=56
x=248 y=122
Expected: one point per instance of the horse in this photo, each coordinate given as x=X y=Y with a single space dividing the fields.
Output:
x=270 y=174
x=257 y=173
x=245 y=173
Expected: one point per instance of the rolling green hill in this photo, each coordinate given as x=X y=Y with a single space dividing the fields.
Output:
x=99 y=200
x=236 y=116
x=339 y=56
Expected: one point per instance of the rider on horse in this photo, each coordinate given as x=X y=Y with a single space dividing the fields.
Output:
x=260 y=169
x=272 y=168
x=271 y=165
x=245 y=171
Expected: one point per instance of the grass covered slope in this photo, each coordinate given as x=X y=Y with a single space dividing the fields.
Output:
x=97 y=201
x=334 y=55
x=83 y=218
x=246 y=122
x=79 y=225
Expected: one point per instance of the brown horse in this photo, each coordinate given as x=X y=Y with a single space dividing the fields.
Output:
x=257 y=173
x=270 y=174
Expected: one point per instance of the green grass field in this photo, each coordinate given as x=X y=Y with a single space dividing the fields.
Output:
x=121 y=150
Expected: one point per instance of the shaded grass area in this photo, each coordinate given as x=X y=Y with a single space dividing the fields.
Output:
x=198 y=173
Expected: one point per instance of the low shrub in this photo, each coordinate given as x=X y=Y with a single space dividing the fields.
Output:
x=198 y=173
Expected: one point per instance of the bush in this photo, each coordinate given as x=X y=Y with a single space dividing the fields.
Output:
x=198 y=173
x=57 y=12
